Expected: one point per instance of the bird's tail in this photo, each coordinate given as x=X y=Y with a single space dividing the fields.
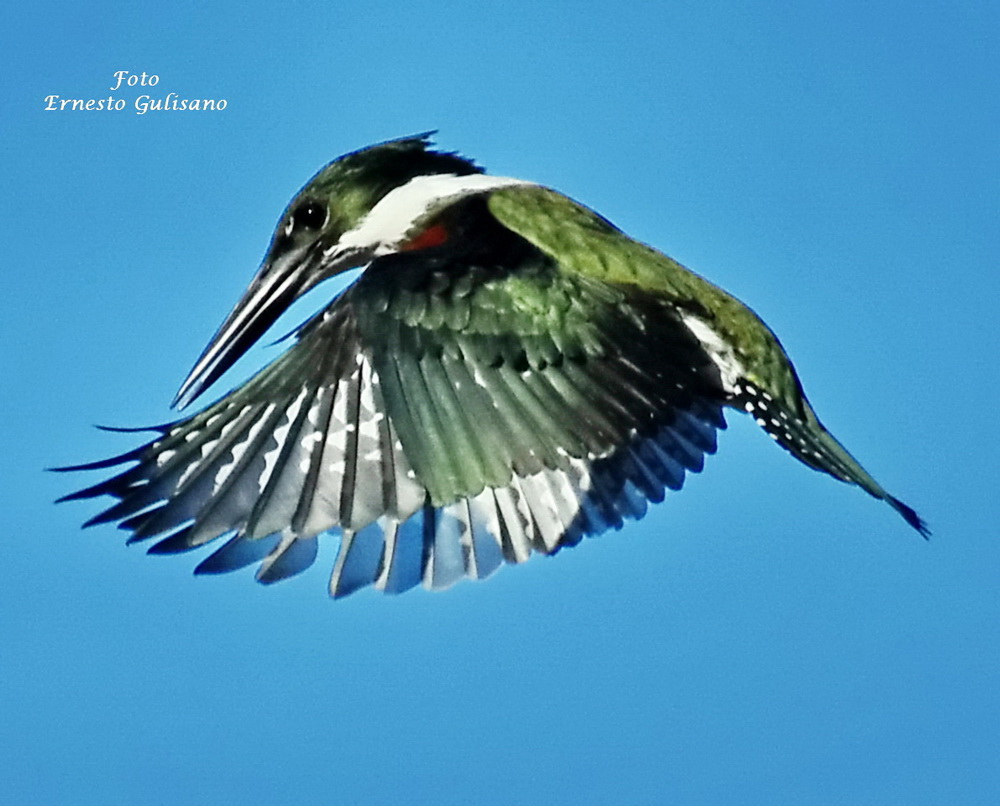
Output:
x=804 y=436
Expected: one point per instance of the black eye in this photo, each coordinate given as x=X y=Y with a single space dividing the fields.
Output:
x=308 y=215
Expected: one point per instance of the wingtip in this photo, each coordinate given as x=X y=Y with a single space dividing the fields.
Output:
x=142 y=429
x=102 y=464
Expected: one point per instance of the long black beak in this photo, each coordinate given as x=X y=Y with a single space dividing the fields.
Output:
x=278 y=283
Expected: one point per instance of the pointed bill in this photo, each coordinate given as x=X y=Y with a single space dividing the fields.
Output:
x=280 y=281
x=271 y=291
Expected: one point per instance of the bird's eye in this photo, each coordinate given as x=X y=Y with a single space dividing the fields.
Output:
x=310 y=215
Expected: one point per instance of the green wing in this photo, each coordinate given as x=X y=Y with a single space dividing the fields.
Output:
x=495 y=369
x=445 y=415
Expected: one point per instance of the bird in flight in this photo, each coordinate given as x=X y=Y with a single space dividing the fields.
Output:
x=509 y=373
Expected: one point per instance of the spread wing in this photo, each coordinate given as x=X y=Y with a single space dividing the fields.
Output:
x=301 y=448
x=445 y=415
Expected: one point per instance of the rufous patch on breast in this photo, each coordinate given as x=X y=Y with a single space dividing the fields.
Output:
x=434 y=235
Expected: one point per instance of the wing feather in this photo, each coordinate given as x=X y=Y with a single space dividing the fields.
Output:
x=437 y=443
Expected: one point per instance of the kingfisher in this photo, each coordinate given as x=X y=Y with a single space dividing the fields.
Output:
x=508 y=374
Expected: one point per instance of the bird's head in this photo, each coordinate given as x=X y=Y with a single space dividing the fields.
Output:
x=363 y=205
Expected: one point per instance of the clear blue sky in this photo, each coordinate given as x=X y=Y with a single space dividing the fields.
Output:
x=766 y=636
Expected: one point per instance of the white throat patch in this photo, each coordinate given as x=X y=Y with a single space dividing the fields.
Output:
x=393 y=217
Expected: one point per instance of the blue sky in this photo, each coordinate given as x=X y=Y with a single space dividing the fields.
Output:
x=767 y=635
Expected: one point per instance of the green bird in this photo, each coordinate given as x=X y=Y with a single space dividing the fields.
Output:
x=509 y=374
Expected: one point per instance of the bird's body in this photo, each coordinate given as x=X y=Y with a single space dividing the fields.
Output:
x=509 y=373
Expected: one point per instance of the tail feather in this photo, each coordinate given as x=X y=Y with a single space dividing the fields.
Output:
x=804 y=436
